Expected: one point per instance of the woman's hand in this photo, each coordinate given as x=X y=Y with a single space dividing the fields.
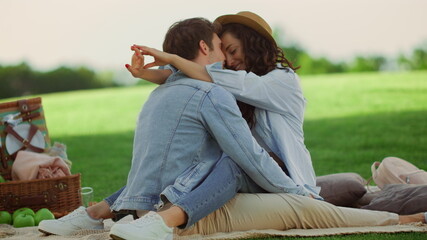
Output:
x=139 y=70
x=137 y=64
x=160 y=58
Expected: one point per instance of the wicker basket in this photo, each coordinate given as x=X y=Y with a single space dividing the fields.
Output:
x=60 y=195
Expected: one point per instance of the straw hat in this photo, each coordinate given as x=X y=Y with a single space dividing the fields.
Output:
x=248 y=19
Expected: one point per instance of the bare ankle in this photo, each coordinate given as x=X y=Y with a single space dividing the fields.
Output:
x=419 y=217
x=99 y=210
x=92 y=213
x=174 y=216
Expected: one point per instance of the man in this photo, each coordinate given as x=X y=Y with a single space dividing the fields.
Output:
x=183 y=130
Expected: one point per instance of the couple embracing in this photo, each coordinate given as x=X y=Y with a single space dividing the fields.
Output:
x=227 y=118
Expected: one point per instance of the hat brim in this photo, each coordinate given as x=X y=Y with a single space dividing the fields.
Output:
x=233 y=18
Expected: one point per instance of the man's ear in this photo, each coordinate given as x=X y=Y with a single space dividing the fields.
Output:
x=204 y=48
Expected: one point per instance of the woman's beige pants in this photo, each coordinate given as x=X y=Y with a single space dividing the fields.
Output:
x=282 y=212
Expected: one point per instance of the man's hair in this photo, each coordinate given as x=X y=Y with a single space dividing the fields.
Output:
x=183 y=37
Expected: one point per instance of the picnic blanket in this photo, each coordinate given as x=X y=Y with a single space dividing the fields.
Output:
x=31 y=233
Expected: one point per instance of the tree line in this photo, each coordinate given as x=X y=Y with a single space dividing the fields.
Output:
x=20 y=79
x=416 y=60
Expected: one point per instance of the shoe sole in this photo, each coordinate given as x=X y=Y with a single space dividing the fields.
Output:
x=46 y=233
x=116 y=237
x=49 y=230
x=54 y=231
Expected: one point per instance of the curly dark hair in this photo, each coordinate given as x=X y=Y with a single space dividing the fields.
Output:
x=261 y=56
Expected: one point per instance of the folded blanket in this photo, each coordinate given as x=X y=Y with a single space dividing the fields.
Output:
x=31 y=233
x=31 y=165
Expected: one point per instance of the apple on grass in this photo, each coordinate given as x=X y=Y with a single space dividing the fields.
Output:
x=23 y=210
x=43 y=214
x=5 y=217
x=24 y=220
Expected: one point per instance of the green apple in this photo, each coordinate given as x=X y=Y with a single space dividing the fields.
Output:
x=24 y=210
x=2 y=179
x=24 y=220
x=43 y=214
x=5 y=217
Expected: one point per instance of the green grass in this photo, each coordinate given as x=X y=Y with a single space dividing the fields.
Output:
x=355 y=119
x=352 y=120
x=97 y=127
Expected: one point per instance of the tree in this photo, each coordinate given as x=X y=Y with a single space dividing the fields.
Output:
x=21 y=80
x=419 y=59
x=367 y=64
x=309 y=65
x=16 y=80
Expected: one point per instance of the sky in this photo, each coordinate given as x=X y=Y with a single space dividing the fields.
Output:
x=98 y=33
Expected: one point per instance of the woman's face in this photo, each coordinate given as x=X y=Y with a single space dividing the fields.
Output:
x=233 y=51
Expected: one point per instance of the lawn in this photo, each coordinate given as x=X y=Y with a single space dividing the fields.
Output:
x=352 y=120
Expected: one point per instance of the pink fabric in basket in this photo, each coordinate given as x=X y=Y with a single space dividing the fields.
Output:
x=31 y=165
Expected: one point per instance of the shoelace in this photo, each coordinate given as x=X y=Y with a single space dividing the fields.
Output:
x=148 y=218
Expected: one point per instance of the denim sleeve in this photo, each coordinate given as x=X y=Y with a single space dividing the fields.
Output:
x=277 y=91
x=169 y=67
x=222 y=118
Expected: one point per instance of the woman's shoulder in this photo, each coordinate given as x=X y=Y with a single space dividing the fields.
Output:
x=284 y=77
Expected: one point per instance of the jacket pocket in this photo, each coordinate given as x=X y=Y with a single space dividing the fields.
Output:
x=192 y=176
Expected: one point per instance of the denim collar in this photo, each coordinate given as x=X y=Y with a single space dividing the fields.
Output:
x=177 y=74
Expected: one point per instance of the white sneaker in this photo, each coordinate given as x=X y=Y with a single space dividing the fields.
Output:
x=149 y=227
x=69 y=224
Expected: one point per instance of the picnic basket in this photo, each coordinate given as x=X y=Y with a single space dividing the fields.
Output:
x=23 y=127
x=24 y=113
x=60 y=195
